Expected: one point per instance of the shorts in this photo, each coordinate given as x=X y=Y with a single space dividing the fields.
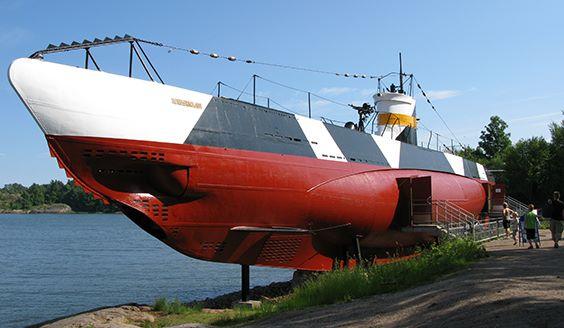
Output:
x=505 y=224
x=531 y=234
x=556 y=229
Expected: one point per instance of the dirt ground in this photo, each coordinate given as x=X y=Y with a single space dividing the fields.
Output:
x=513 y=287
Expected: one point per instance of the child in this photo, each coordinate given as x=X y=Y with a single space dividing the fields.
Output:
x=514 y=226
x=531 y=226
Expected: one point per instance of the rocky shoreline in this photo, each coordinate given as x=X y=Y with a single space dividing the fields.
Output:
x=127 y=315
x=57 y=208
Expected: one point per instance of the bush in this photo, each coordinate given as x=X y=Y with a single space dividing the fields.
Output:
x=174 y=307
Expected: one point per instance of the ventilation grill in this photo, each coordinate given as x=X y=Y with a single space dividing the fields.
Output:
x=133 y=155
x=155 y=209
x=109 y=171
x=279 y=250
x=145 y=204
x=214 y=247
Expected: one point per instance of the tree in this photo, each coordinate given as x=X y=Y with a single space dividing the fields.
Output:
x=473 y=154
x=525 y=170
x=17 y=197
x=555 y=161
x=494 y=140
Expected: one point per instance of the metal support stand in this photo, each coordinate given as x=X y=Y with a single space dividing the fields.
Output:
x=88 y=58
x=219 y=89
x=309 y=104
x=245 y=279
x=254 y=89
x=142 y=62
x=130 y=58
x=148 y=61
x=358 y=252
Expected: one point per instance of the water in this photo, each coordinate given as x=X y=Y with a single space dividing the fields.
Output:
x=56 y=265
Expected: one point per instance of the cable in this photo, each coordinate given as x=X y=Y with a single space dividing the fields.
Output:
x=263 y=97
x=303 y=91
x=251 y=61
x=435 y=110
x=245 y=88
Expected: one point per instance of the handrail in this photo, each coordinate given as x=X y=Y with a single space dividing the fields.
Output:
x=515 y=204
x=455 y=221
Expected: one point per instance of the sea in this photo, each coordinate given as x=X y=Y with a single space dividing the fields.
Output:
x=54 y=265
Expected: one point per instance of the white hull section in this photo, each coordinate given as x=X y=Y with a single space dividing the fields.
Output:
x=70 y=101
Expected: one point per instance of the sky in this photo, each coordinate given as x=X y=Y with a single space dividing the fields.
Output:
x=474 y=58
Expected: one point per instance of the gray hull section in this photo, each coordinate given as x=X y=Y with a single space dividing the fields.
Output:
x=233 y=124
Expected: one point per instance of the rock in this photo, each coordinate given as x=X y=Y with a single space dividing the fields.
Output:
x=248 y=304
x=52 y=208
x=275 y=289
x=118 y=317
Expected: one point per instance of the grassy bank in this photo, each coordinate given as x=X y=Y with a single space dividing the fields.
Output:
x=340 y=286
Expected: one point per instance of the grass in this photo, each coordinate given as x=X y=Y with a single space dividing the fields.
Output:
x=176 y=313
x=341 y=286
x=544 y=223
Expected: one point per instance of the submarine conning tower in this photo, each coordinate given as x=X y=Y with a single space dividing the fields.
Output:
x=396 y=115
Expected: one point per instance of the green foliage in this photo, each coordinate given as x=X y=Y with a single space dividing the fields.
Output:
x=555 y=162
x=494 y=140
x=532 y=168
x=174 y=307
x=17 y=197
x=525 y=169
x=473 y=154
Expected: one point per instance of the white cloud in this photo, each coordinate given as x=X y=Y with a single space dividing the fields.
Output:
x=531 y=118
x=443 y=94
x=335 y=91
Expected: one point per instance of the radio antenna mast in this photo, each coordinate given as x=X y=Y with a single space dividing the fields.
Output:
x=401 y=75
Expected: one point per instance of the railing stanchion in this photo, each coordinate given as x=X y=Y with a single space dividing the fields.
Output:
x=309 y=104
x=130 y=58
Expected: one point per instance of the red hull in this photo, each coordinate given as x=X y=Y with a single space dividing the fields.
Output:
x=191 y=197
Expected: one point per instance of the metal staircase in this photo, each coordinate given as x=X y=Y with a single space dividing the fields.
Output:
x=516 y=205
x=448 y=219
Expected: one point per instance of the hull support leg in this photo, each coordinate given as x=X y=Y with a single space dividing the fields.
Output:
x=245 y=279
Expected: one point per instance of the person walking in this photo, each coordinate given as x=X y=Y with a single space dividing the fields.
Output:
x=531 y=226
x=556 y=214
x=514 y=227
x=507 y=212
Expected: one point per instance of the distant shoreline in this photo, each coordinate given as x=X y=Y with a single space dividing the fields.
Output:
x=27 y=212
x=56 y=208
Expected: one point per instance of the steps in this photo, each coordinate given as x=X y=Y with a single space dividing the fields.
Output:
x=516 y=205
x=448 y=219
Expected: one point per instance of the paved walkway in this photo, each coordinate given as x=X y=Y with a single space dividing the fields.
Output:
x=514 y=287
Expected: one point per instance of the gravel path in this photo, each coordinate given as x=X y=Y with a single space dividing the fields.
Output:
x=514 y=287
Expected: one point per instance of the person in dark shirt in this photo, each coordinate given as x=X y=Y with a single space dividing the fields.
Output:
x=556 y=218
